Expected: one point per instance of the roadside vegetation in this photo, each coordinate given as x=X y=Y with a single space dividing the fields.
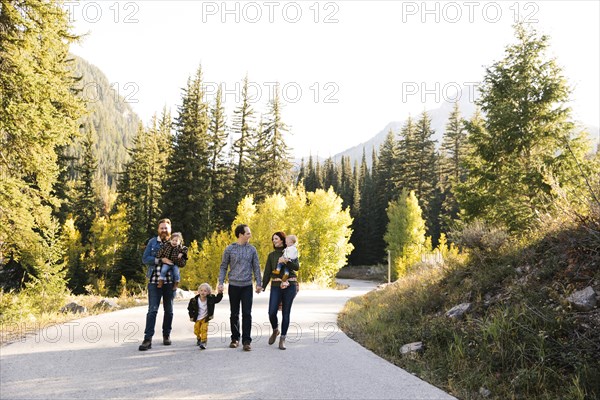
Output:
x=509 y=309
x=521 y=338
x=23 y=314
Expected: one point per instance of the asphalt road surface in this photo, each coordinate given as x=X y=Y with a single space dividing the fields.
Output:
x=97 y=358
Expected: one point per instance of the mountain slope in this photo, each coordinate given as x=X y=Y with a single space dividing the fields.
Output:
x=439 y=119
x=113 y=119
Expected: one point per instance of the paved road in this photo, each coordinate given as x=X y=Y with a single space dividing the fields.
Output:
x=97 y=358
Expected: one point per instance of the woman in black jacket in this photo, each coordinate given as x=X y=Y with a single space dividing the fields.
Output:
x=285 y=296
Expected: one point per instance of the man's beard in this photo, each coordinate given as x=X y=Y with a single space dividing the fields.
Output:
x=163 y=236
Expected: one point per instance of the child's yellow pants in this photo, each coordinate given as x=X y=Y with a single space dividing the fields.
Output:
x=201 y=330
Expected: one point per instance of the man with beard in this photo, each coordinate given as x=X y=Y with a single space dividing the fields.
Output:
x=154 y=292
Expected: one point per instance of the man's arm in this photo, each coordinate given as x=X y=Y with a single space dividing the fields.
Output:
x=148 y=258
x=256 y=269
x=164 y=253
x=218 y=297
x=223 y=267
x=267 y=272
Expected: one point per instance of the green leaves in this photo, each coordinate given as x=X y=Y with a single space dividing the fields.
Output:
x=38 y=113
x=316 y=218
x=526 y=129
x=405 y=235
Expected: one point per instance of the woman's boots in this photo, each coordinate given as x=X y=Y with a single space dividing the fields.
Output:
x=282 y=343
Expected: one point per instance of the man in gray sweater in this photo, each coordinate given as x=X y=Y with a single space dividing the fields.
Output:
x=242 y=259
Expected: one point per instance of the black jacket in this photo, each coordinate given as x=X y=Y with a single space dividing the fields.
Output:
x=211 y=300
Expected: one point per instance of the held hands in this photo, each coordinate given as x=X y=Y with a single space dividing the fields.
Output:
x=220 y=289
x=165 y=260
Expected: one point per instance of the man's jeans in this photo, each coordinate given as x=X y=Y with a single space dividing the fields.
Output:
x=286 y=297
x=155 y=294
x=244 y=295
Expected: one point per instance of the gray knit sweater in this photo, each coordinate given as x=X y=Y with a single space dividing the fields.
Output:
x=242 y=261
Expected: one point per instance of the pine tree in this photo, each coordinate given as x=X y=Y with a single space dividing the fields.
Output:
x=320 y=175
x=141 y=183
x=454 y=147
x=387 y=176
x=311 y=182
x=385 y=187
x=220 y=210
x=356 y=211
x=454 y=150
x=86 y=205
x=420 y=161
x=278 y=165
x=301 y=172
x=406 y=176
x=186 y=196
x=242 y=129
x=64 y=188
x=346 y=187
x=421 y=171
x=526 y=133
x=357 y=179
x=331 y=178
x=258 y=166
x=39 y=112
x=140 y=189
x=369 y=243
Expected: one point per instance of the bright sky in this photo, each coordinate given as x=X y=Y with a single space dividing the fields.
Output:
x=346 y=68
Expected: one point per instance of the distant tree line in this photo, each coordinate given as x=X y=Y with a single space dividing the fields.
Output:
x=60 y=226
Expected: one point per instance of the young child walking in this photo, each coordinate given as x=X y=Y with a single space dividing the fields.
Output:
x=201 y=309
x=176 y=252
x=290 y=253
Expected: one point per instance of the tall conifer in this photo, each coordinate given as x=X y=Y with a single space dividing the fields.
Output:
x=187 y=200
x=39 y=112
x=524 y=137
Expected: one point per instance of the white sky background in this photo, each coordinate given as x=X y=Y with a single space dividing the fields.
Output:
x=361 y=65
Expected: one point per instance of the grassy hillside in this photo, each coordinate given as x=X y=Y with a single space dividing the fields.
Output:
x=521 y=339
x=110 y=112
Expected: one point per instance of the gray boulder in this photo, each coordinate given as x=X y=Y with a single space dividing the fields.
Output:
x=583 y=300
x=415 y=347
x=107 y=304
x=459 y=310
x=73 y=308
x=184 y=294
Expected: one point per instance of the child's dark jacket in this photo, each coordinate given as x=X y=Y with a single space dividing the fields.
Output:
x=211 y=300
x=172 y=253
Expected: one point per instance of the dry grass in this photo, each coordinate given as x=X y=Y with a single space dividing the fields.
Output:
x=521 y=340
x=17 y=320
